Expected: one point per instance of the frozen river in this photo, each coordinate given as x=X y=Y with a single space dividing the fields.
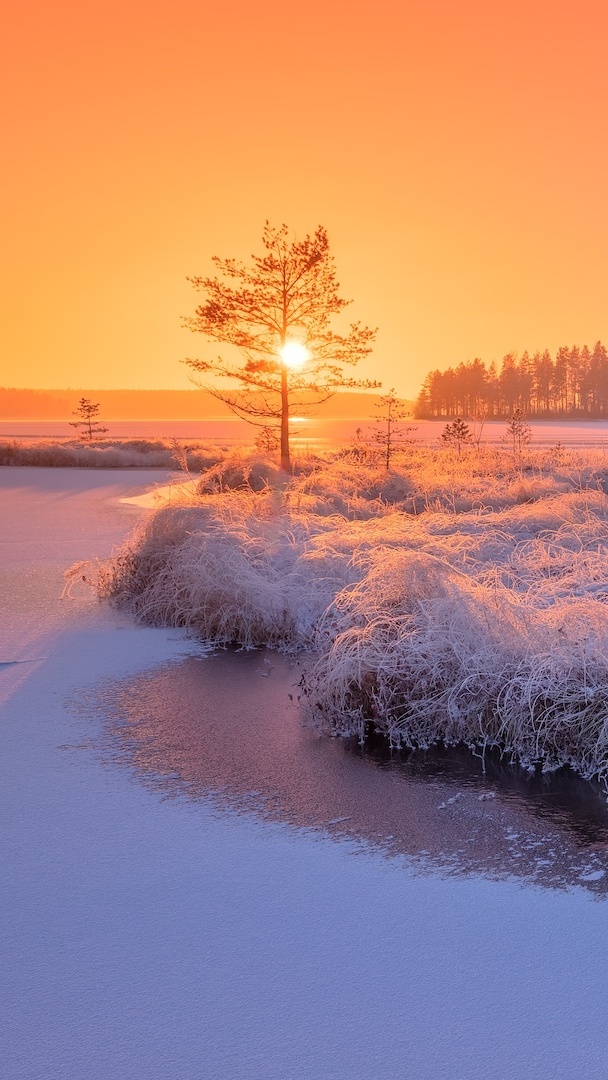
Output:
x=317 y=431
x=196 y=888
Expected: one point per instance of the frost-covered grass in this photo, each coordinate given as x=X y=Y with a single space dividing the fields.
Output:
x=451 y=599
x=108 y=453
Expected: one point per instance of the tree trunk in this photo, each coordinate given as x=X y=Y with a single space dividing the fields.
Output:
x=285 y=458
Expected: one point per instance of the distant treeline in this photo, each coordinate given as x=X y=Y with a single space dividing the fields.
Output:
x=22 y=404
x=573 y=384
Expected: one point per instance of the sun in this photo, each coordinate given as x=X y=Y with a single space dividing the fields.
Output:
x=294 y=354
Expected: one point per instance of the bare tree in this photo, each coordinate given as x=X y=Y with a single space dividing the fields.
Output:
x=518 y=433
x=267 y=441
x=389 y=432
x=87 y=424
x=276 y=313
x=478 y=419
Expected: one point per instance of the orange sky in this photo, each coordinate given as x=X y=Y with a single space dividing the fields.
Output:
x=455 y=150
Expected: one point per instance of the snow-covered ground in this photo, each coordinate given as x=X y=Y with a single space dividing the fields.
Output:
x=147 y=937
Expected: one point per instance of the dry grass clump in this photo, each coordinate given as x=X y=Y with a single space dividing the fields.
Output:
x=362 y=491
x=487 y=626
x=108 y=453
x=239 y=470
x=231 y=568
x=423 y=654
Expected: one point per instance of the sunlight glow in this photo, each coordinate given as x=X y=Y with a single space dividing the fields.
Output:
x=294 y=354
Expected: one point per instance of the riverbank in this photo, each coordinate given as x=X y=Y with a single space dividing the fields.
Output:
x=451 y=599
x=159 y=921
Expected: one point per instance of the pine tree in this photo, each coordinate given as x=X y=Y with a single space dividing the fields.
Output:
x=457 y=434
x=276 y=314
x=87 y=424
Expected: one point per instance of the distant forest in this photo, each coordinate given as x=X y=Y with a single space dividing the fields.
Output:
x=574 y=384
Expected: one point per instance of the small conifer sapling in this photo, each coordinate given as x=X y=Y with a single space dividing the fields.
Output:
x=457 y=434
x=87 y=423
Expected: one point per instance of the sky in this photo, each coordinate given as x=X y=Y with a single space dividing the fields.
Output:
x=454 y=151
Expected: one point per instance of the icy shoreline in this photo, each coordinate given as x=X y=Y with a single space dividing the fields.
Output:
x=183 y=732
x=148 y=937
x=481 y=619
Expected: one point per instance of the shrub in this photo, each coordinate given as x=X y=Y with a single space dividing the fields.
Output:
x=106 y=454
x=481 y=619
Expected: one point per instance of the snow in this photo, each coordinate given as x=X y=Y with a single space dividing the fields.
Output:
x=319 y=430
x=147 y=938
x=453 y=599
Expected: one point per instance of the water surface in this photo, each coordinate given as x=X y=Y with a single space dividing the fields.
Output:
x=229 y=727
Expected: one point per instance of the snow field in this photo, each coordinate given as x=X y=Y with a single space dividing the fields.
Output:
x=150 y=937
x=481 y=619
